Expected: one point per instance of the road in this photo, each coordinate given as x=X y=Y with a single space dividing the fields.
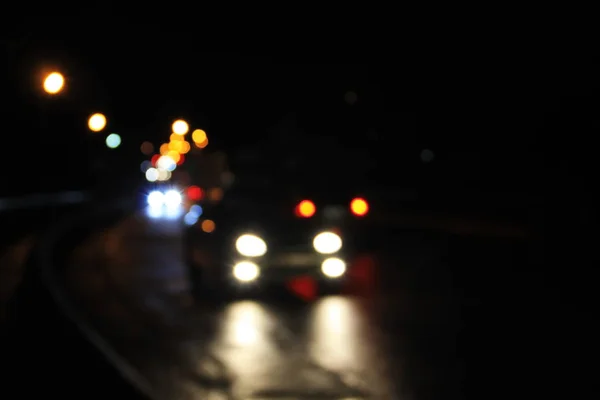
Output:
x=22 y=218
x=131 y=282
x=13 y=256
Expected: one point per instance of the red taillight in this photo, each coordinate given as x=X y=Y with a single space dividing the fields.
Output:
x=194 y=193
x=305 y=209
x=359 y=207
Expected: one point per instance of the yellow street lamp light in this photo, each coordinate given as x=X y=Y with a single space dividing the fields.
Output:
x=54 y=83
x=97 y=122
x=198 y=136
x=180 y=127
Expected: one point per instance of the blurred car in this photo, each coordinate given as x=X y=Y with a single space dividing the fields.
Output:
x=246 y=244
x=166 y=197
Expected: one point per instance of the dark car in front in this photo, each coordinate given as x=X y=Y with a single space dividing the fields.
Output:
x=262 y=242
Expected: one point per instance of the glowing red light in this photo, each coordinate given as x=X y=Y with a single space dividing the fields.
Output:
x=304 y=287
x=154 y=159
x=181 y=159
x=359 y=207
x=195 y=193
x=305 y=209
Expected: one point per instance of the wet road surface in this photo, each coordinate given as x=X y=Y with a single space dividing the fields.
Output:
x=22 y=218
x=132 y=284
x=12 y=260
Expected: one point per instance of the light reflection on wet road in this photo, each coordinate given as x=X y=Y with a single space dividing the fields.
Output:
x=132 y=282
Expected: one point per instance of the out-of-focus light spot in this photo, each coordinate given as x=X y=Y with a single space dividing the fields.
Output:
x=350 y=97
x=333 y=267
x=215 y=194
x=180 y=127
x=154 y=212
x=166 y=163
x=175 y=137
x=173 y=213
x=54 y=83
x=152 y=175
x=208 y=226
x=173 y=155
x=113 y=141
x=97 y=122
x=147 y=148
x=190 y=219
x=359 y=207
x=174 y=145
x=156 y=199
x=227 y=178
x=185 y=148
x=427 y=156
x=202 y=144
x=181 y=159
x=306 y=209
x=194 y=193
x=154 y=159
x=164 y=148
x=172 y=198
x=164 y=175
x=196 y=210
x=198 y=136
x=145 y=166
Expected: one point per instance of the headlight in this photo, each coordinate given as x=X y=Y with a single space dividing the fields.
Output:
x=172 y=198
x=246 y=271
x=251 y=246
x=327 y=243
x=156 y=199
x=333 y=267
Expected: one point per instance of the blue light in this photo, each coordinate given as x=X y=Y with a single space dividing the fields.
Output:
x=196 y=210
x=190 y=218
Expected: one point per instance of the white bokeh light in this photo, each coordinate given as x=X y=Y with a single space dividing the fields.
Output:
x=172 y=198
x=152 y=175
x=156 y=199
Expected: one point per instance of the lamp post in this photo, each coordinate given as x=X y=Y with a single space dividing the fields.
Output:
x=97 y=122
x=53 y=84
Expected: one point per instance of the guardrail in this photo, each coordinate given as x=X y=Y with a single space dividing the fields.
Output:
x=42 y=200
x=44 y=320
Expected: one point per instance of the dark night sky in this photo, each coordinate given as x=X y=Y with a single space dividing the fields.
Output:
x=494 y=123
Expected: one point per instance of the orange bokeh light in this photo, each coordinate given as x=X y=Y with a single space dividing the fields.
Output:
x=306 y=209
x=208 y=226
x=359 y=206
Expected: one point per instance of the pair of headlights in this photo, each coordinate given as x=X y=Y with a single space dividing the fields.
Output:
x=170 y=198
x=247 y=271
x=253 y=246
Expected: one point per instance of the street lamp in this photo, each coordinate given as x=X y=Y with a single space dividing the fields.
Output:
x=54 y=83
x=180 y=127
x=97 y=122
